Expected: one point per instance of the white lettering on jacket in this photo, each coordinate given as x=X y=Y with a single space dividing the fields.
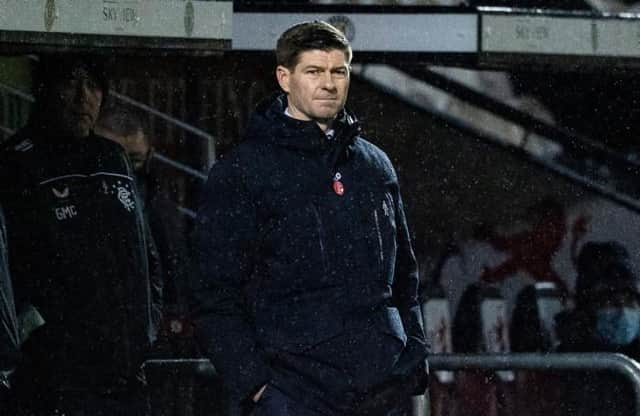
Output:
x=64 y=213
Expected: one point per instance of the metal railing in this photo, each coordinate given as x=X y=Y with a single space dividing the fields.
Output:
x=164 y=116
x=130 y=101
x=7 y=131
x=618 y=363
x=18 y=93
x=572 y=163
x=180 y=166
x=568 y=139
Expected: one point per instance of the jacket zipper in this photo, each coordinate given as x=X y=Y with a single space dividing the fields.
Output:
x=323 y=254
x=380 y=245
x=332 y=157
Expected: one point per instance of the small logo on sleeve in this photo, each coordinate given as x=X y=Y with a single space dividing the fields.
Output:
x=123 y=193
x=61 y=194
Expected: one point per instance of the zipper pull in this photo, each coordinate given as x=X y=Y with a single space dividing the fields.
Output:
x=338 y=187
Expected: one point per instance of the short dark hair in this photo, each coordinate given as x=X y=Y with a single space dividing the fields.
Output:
x=309 y=36
x=52 y=68
x=122 y=120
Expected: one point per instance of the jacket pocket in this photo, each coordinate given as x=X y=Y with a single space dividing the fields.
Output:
x=384 y=235
x=390 y=322
x=376 y=220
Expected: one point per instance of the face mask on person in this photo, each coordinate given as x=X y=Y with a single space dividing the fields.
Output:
x=617 y=326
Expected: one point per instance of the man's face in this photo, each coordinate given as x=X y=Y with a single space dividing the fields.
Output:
x=74 y=103
x=317 y=86
x=617 y=317
x=138 y=149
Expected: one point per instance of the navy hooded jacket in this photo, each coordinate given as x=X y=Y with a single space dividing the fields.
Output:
x=298 y=286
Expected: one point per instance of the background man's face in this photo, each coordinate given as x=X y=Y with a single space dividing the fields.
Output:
x=138 y=149
x=136 y=145
x=74 y=103
x=318 y=85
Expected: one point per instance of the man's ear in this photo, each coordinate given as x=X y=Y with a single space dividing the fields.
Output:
x=283 y=75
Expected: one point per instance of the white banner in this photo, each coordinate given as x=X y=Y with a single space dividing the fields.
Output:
x=619 y=37
x=368 y=32
x=143 y=18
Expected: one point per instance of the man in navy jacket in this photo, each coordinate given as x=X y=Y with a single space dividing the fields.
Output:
x=306 y=296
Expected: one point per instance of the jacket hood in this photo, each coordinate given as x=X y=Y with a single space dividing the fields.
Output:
x=270 y=123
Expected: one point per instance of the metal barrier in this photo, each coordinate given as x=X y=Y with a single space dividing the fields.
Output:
x=164 y=116
x=180 y=166
x=549 y=361
x=456 y=362
x=17 y=92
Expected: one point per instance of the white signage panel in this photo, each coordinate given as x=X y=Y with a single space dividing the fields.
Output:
x=555 y=35
x=143 y=18
x=368 y=32
x=536 y=34
x=617 y=37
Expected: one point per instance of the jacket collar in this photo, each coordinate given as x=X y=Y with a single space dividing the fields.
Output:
x=269 y=122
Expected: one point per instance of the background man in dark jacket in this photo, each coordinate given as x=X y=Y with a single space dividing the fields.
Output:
x=78 y=251
x=126 y=126
x=306 y=300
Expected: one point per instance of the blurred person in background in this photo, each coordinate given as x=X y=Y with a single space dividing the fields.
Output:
x=126 y=126
x=78 y=251
x=606 y=318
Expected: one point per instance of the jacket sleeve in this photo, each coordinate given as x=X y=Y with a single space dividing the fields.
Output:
x=11 y=185
x=405 y=295
x=171 y=242
x=154 y=265
x=9 y=336
x=223 y=253
x=156 y=275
